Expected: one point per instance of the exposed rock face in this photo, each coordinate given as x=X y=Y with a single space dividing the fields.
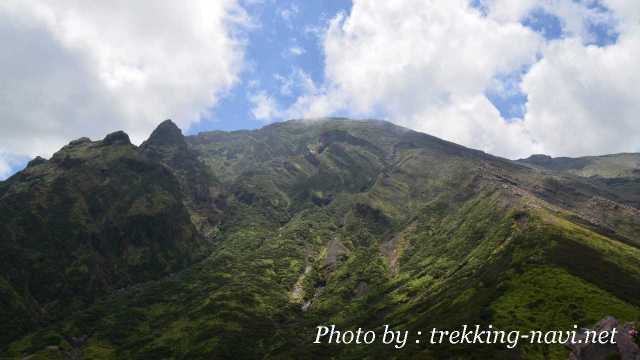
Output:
x=116 y=138
x=335 y=251
x=625 y=347
x=36 y=161
x=201 y=189
x=167 y=133
x=627 y=344
x=80 y=141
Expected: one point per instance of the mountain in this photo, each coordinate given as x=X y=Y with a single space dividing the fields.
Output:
x=607 y=166
x=199 y=185
x=247 y=240
x=96 y=217
x=617 y=174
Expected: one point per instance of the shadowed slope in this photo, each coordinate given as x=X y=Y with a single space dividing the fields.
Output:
x=360 y=224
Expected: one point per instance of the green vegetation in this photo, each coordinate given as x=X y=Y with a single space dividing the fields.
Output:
x=236 y=245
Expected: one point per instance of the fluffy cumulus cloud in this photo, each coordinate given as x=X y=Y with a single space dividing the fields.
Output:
x=584 y=100
x=566 y=71
x=75 y=68
x=425 y=65
x=429 y=65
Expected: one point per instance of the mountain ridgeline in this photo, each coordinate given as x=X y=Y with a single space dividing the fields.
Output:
x=238 y=244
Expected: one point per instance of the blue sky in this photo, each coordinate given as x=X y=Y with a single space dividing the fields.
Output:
x=286 y=38
x=509 y=78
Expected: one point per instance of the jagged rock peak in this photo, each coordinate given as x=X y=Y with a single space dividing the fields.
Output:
x=80 y=141
x=167 y=133
x=117 y=138
x=36 y=161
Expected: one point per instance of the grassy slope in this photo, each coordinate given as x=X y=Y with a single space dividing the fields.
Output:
x=474 y=265
x=400 y=229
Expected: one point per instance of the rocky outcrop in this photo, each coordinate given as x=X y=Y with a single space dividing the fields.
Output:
x=117 y=138
x=97 y=217
x=167 y=133
x=201 y=189
x=625 y=347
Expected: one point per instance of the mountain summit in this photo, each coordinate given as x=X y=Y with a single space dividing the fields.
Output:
x=167 y=133
x=238 y=244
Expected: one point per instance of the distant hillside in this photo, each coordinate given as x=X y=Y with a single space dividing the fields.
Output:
x=606 y=166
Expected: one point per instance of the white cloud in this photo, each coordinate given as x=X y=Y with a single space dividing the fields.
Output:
x=425 y=64
x=428 y=65
x=75 y=68
x=585 y=100
x=314 y=101
x=8 y=162
x=297 y=81
x=5 y=167
x=296 y=50
x=264 y=107
x=576 y=17
x=286 y=84
x=508 y=10
x=288 y=13
x=72 y=69
x=627 y=11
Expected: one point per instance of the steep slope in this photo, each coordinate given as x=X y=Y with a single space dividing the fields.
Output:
x=618 y=173
x=360 y=224
x=201 y=190
x=97 y=216
x=603 y=190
